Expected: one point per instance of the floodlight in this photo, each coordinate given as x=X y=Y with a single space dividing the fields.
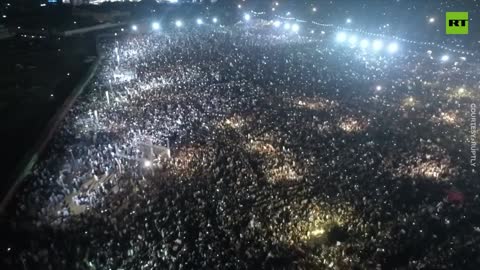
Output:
x=247 y=17
x=349 y=20
x=199 y=21
x=287 y=26
x=353 y=40
x=314 y=9
x=134 y=27
x=377 y=45
x=155 y=26
x=277 y=24
x=445 y=58
x=147 y=163
x=341 y=37
x=214 y=20
x=364 y=44
x=178 y=23
x=392 y=47
x=295 y=27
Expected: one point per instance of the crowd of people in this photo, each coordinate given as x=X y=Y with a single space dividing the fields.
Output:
x=246 y=147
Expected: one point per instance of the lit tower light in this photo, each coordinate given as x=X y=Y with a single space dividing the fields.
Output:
x=377 y=45
x=353 y=41
x=155 y=26
x=178 y=23
x=392 y=47
x=431 y=20
x=134 y=27
x=214 y=20
x=277 y=24
x=349 y=20
x=295 y=28
x=445 y=58
x=199 y=21
x=247 y=17
x=364 y=44
x=287 y=26
x=341 y=37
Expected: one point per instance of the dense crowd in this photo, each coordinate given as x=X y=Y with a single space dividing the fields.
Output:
x=246 y=147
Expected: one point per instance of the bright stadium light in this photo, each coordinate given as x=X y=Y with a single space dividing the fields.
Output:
x=445 y=58
x=392 y=47
x=247 y=17
x=353 y=40
x=178 y=23
x=287 y=26
x=199 y=21
x=431 y=20
x=239 y=6
x=134 y=27
x=349 y=20
x=341 y=37
x=277 y=23
x=155 y=26
x=314 y=9
x=295 y=28
x=214 y=20
x=377 y=45
x=364 y=43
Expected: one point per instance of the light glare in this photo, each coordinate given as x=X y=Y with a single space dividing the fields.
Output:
x=341 y=37
x=295 y=28
x=377 y=45
x=364 y=44
x=155 y=26
x=393 y=47
x=353 y=40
